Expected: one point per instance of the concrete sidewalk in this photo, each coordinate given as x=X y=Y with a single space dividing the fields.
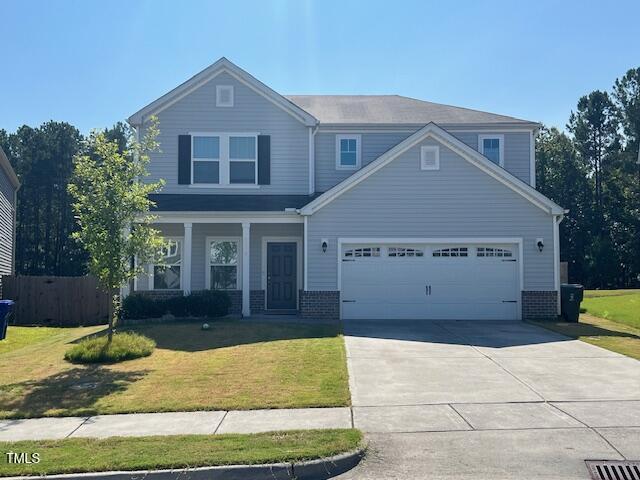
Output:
x=175 y=423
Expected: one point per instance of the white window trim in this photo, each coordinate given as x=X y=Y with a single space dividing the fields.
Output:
x=299 y=263
x=219 y=90
x=224 y=172
x=152 y=266
x=207 y=258
x=492 y=136
x=358 y=139
x=423 y=151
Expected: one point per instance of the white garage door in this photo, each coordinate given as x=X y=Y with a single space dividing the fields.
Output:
x=440 y=282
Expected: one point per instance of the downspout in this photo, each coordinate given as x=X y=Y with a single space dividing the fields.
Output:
x=312 y=158
x=556 y=254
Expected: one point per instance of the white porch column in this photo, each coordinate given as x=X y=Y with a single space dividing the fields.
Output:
x=246 y=247
x=186 y=258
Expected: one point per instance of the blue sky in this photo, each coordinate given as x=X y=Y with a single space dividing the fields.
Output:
x=92 y=63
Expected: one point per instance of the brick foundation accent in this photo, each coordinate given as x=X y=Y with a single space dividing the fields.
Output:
x=256 y=301
x=236 y=302
x=159 y=294
x=322 y=305
x=539 y=305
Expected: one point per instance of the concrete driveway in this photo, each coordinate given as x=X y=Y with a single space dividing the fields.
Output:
x=494 y=400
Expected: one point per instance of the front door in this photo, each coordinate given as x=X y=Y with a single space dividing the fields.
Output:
x=281 y=276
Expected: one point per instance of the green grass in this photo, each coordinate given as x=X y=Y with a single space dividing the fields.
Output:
x=20 y=337
x=621 y=306
x=75 y=455
x=604 y=333
x=124 y=346
x=235 y=365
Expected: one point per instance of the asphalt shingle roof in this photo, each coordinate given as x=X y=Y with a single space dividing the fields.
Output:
x=391 y=109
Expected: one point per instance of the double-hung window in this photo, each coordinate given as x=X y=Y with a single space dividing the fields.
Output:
x=167 y=275
x=224 y=158
x=348 y=152
x=243 y=159
x=223 y=256
x=206 y=158
x=492 y=147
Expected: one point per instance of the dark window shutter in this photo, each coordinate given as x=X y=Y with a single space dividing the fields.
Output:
x=264 y=159
x=184 y=159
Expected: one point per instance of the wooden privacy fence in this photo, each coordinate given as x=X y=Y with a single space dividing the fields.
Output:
x=62 y=301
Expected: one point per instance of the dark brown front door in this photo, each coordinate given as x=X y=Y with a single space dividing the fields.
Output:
x=281 y=276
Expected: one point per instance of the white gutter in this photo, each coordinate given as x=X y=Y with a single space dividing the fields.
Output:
x=312 y=158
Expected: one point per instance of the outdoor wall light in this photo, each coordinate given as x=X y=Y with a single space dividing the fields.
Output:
x=540 y=243
x=325 y=245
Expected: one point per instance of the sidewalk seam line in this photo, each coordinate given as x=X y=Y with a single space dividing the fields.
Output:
x=590 y=428
x=76 y=429
x=215 y=432
x=495 y=362
x=461 y=416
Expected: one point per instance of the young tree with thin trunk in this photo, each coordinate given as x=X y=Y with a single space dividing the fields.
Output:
x=109 y=198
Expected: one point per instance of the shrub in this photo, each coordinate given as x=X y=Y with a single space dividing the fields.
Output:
x=177 y=306
x=140 y=306
x=207 y=303
x=125 y=346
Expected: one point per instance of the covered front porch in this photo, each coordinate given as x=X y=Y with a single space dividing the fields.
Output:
x=257 y=259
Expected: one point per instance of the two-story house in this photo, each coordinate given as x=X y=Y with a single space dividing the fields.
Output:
x=9 y=186
x=349 y=206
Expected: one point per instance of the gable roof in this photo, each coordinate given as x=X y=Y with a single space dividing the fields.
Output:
x=221 y=66
x=5 y=165
x=395 y=109
x=434 y=131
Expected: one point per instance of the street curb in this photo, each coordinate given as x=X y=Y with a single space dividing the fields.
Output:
x=320 y=469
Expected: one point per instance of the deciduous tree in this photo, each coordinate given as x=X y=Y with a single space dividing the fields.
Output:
x=110 y=197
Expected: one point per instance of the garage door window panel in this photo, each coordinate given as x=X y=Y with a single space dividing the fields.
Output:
x=494 y=252
x=451 y=252
x=405 y=252
x=362 y=252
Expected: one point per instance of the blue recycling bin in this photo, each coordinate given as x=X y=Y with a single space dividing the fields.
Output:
x=5 y=309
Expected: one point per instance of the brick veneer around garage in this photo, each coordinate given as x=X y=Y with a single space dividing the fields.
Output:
x=538 y=304
x=321 y=305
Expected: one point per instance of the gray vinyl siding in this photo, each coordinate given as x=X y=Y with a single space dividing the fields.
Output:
x=251 y=113
x=373 y=145
x=7 y=218
x=516 y=153
x=459 y=200
x=198 y=250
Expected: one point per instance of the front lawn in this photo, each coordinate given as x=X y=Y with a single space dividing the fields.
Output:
x=73 y=455
x=235 y=365
x=622 y=306
x=604 y=333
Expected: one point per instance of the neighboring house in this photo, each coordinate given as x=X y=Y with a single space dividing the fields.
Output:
x=349 y=206
x=9 y=185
